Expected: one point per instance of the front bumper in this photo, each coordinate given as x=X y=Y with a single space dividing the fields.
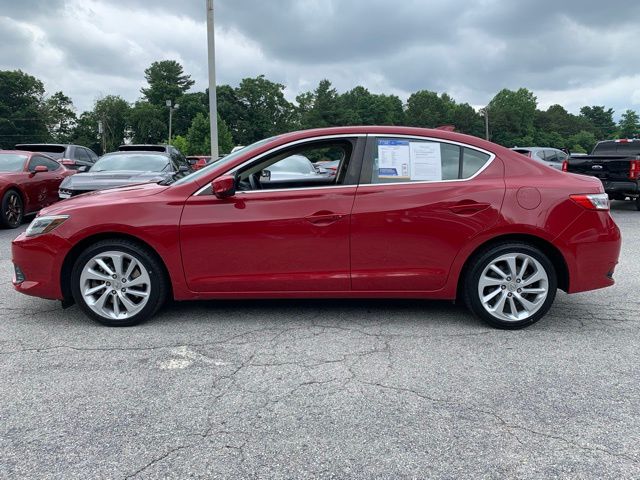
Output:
x=39 y=261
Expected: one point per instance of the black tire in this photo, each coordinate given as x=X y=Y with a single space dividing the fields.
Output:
x=478 y=264
x=12 y=210
x=159 y=285
x=638 y=203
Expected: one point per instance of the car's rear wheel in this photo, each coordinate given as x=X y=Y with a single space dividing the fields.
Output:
x=12 y=210
x=510 y=285
x=638 y=203
x=118 y=283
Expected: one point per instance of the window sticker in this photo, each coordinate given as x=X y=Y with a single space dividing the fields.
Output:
x=394 y=159
x=426 y=161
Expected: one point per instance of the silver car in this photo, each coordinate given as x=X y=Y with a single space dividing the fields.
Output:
x=550 y=156
x=296 y=167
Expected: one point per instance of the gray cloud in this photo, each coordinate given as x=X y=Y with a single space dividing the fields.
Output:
x=574 y=51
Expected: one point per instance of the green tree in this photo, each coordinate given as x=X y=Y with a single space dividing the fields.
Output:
x=199 y=136
x=320 y=108
x=511 y=117
x=230 y=109
x=60 y=116
x=266 y=112
x=428 y=110
x=361 y=107
x=22 y=110
x=467 y=120
x=190 y=105
x=181 y=143
x=601 y=120
x=113 y=111
x=85 y=132
x=629 y=125
x=148 y=123
x=582 y=142
x=167 y=81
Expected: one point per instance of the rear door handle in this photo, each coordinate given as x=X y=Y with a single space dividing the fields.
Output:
x=324 y=218
x=469 y=208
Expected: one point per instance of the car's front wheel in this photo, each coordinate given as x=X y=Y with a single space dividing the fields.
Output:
x=12 y=210
x=118 y=283
x=510 y=285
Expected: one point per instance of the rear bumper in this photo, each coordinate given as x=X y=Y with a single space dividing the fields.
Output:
x=39 y=261
x=629 y=187
x=591 y=246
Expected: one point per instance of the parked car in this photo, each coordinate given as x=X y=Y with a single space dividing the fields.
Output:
x=74 y=157
x=549 y=156
x=332 y=166
x=198 y=161
x=295 y=168
x=28 y=182
x=414 y=213
x=124 y=168
x=616 y=163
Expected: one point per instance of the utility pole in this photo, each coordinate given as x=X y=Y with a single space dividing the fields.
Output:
x=102 y=136
x=172 y=107
x=485 y=111
x=213 y=101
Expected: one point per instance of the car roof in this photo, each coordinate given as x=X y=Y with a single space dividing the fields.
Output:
x=386 y=130
x=18 y=152
x=535 y=149
x=138 y=152
x=48 y=145
x=144 y=147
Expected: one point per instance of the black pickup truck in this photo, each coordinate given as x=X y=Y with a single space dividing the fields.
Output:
x=616 y=163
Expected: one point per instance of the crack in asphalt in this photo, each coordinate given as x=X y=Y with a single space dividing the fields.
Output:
x=504 y=423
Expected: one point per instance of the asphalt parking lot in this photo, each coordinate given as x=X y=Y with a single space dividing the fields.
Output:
x=324 y=389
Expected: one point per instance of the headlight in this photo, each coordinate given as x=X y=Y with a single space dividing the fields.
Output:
x=45 y=224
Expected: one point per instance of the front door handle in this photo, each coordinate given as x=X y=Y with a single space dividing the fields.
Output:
x=469 y=208
x=324 y=218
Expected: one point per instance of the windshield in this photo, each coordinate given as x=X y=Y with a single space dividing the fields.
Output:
x=11 y=162
x=223 y=161
x=139 y=162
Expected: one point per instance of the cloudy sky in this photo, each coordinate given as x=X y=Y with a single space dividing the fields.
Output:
x=572 y=52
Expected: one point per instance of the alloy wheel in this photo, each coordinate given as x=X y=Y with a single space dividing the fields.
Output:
x=513 y=287
x=13 y=212
x=115 y=285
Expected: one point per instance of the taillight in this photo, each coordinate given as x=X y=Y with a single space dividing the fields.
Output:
x=634 y=170
x=592 y=201
x=565 y=166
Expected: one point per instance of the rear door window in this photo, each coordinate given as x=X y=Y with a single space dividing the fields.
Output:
x=406 y=160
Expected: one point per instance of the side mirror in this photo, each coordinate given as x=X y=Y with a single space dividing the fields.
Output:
x=40 y=169
x=265 y=176
x=225 y=186
x=183 y=169
x=83 y=168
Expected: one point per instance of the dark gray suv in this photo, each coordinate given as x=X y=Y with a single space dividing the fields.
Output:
x=74 y=157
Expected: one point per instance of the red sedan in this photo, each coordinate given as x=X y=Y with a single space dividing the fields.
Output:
x=28 y=182
x=198 y=162
x=412 y=213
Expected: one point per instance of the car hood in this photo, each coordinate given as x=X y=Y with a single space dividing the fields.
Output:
x=102 y=180
x=102 y=197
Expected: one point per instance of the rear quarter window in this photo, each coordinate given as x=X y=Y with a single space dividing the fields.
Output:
x=400 y=160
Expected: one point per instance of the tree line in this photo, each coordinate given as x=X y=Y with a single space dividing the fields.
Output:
x=257 y=108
